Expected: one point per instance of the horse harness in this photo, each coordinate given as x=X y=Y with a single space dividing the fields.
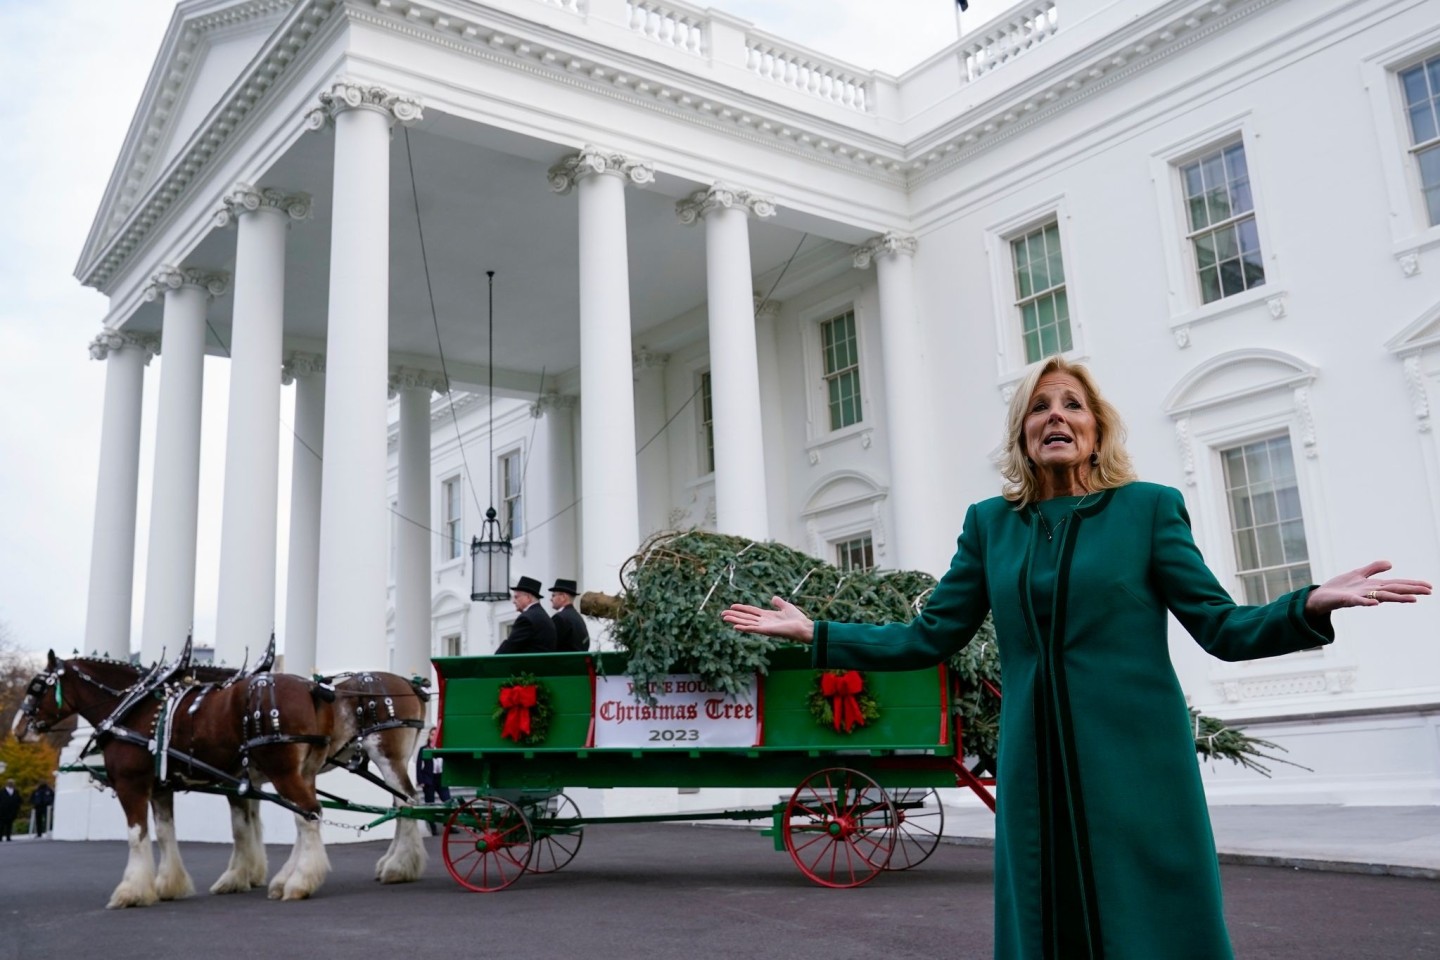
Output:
x=374 y=713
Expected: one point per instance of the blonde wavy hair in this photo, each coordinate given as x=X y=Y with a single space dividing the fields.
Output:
x=1022 y=486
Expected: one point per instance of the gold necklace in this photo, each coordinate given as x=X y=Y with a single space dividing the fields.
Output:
x=1051 y=531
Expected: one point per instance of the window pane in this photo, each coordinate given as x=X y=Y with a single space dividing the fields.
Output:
x=1212 y=168
x=1265 y=508
x=1232 y=279
x=1023 y=285
x=1039 y=269
x=1218 y=200
x=1209 y=284
x=1254 y=588
x=1422 y=123
x=1292 y=540
x=1227 y=243
x=1234 y=462
x=1432 y=70
x=1288 y=503
x=1046 y=306
x=1300 y=576
x=1249 y=234
x=1190 y=174
x=1049 y=343
x=1429 y=161
x=1205 y=250
x=1240 y=198
x=1198 y=219
x=1247 y=556
x=1032 y=347
x=1269 y=541
x=1240 y=513
x=1029 y=317
x=1277 y=583
x=1412 y=81
x=1253 y=271
x=1235 y=168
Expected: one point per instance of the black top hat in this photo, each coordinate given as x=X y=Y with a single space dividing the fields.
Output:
x=565 y=586
x=528 y=585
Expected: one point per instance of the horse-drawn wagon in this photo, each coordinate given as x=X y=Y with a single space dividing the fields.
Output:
x=860 y=758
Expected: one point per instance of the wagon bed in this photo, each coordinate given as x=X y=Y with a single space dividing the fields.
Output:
x=863 y=801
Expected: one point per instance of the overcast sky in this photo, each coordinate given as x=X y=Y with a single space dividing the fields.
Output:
x=75 y=70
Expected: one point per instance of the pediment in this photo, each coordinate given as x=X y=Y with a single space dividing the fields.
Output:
x=207 y=46
x=1234 y=375
x=842 y=490
x=1422 y=332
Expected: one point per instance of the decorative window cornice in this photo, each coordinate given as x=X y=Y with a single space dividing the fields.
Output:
x=720 y=196
x=592 y=161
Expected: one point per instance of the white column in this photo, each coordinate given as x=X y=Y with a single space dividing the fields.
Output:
x=350 y=606
x=175 y=485
x=245 y=608
x=414 y=544
x=653 y=463
x=610 y=523
x=906 y=412
x=112 y=550
x=557 y=508
x=740 y=501
x=307 y=372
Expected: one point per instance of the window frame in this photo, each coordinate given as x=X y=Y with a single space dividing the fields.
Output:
x=705 y=433
x=866 y=542
x=1410 y=233
x=1011 y=361
x=517 y=454
x=447 y=539
x=850 y=371
x=817 y=407
x=1185 y=298
x=1241 y=572
x=1212 y=228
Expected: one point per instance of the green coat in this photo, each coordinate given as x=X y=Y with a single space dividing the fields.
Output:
x=1103 y=845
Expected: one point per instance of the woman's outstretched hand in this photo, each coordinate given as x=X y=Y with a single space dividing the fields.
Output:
x=1361 y=588
x=785 y=621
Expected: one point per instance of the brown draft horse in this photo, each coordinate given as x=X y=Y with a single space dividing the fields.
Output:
x=242 y=732
x=380 y=718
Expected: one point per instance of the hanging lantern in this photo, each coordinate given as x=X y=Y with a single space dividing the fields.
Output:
x=490 y=552
x=490 y=562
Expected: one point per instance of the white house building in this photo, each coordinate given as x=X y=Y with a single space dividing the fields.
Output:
x=746 y=287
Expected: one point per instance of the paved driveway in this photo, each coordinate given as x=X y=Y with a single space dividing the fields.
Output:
x=644 y=893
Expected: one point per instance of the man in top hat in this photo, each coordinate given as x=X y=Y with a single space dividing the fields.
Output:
x=570 y=630
x=533 y=632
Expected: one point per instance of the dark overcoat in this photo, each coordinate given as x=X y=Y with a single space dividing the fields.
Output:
x=1102 y=833
x=531 y=633
x=570 y=630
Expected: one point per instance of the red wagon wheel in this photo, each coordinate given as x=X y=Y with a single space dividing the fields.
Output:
x=920 y=820
x=840 y=828
x=556 y=843
x=487 y=844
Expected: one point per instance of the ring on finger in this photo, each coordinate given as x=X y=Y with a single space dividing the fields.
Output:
x=1373 y=595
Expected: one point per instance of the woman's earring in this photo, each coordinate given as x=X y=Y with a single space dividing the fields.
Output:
x=1095 y=458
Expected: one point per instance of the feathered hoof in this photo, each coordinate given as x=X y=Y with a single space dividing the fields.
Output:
x=290 y=891
x=175 y=888
x=127 y=895
x=231 y=882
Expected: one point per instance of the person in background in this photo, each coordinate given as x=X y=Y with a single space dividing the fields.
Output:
x=570 y=630
x=42 y=798
x=1103 y=844
x=427 y=776
x=533 y=632
x=9 y=809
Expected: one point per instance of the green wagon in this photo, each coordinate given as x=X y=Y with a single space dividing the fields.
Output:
x=520 y=729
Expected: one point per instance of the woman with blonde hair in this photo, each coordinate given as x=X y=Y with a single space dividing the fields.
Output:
x=1103 y=846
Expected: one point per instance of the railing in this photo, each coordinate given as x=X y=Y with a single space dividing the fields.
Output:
x=807 y=73
x=668 y=25
x=1015 y=33
x=572 y=6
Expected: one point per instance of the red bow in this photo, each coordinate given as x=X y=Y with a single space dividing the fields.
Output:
x=517 y=701
x=841 y=689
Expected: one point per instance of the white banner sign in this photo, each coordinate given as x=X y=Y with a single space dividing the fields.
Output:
x=686 y=715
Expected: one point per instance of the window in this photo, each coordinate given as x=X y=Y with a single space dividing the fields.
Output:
x=1220 y=209
x=1271 y=556
x=855 y=555
x=453 y=520
x=1040 y=292
x=512 y=513
x=1421 y=85
x=450 y=646
x=707 y=425
x=841 y=350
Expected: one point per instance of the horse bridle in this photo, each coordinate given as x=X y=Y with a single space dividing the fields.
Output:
x=36 y=691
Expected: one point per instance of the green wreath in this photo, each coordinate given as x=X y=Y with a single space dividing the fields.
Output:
x=523 y=710
x=866 y=708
